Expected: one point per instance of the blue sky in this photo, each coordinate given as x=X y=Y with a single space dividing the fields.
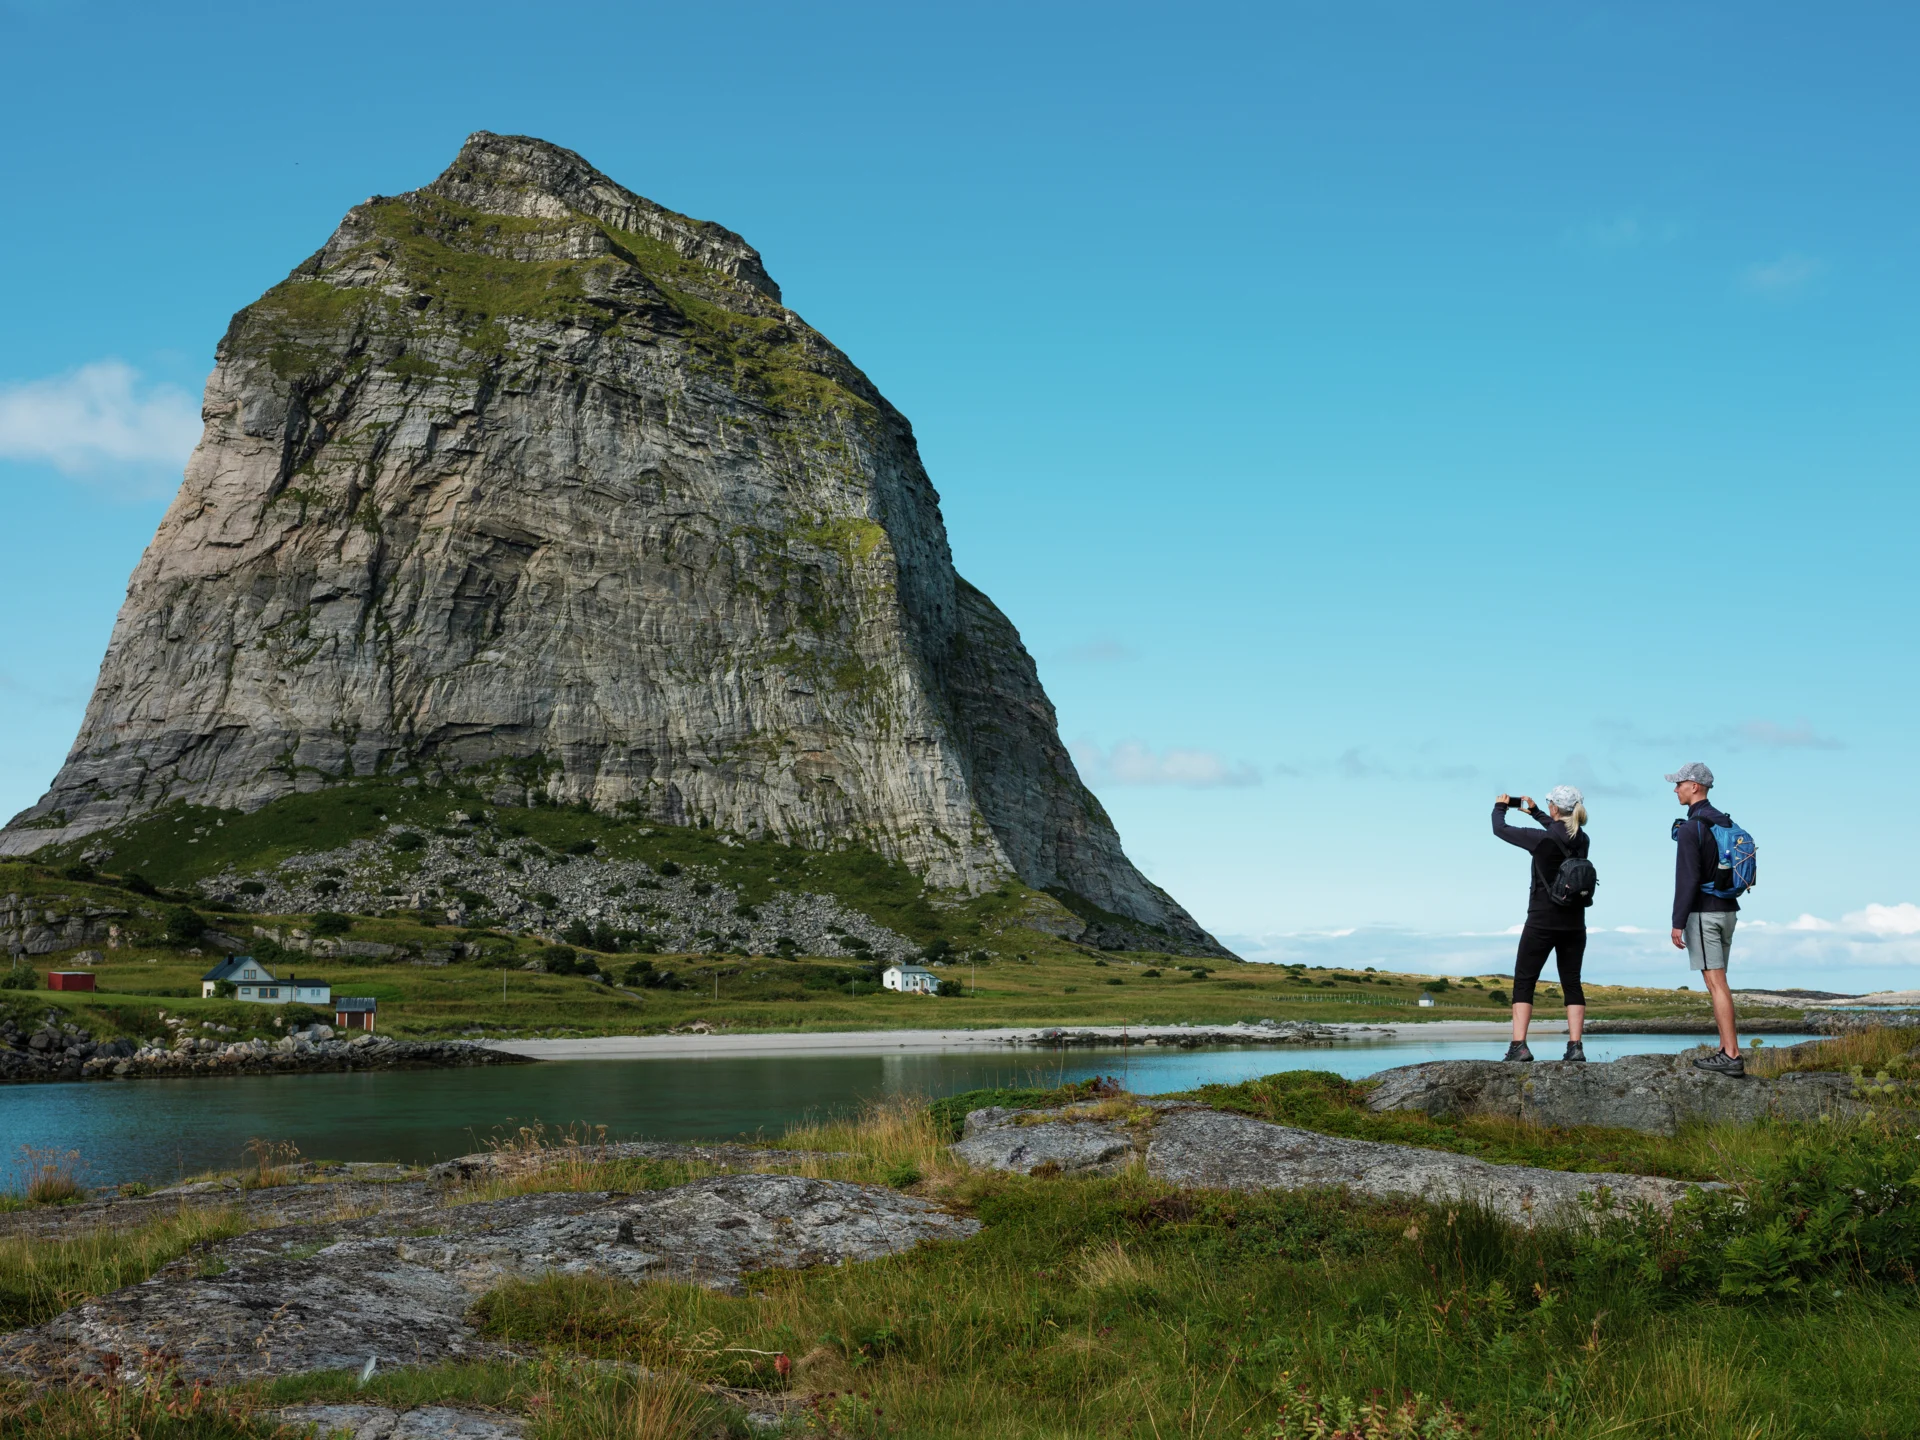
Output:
x=1360 y=408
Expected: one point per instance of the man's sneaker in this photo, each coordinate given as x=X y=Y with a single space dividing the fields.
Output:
x=1518 y=1051
x=1721 y=1063
x=1575 y=1051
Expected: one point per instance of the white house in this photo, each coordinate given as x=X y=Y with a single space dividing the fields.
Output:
x=253 y=981
x=910 y=980
x=1426 y=1001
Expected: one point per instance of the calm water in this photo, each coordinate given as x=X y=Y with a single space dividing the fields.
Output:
x=158 y=1130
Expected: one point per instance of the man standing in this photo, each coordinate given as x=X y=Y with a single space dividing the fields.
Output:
x=1702 y=921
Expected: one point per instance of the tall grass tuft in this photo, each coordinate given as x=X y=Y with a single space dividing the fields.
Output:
x=590 y=1403
x=894 y=1141
x=104 y=1410
x=1892 y=1048
x=42 y=1276
x=51 y=1176
x=273 y=1163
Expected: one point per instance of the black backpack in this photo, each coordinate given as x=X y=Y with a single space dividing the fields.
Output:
x=1572 y=884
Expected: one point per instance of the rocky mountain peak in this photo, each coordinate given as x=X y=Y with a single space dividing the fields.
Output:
x=523 y=474
x=534 y=179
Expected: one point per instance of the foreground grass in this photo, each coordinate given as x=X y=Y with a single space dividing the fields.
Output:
x=1120 y=1307
x=1087 y=1307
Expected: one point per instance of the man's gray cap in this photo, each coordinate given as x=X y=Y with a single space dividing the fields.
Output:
x=1695 y=772
x=1565 y=798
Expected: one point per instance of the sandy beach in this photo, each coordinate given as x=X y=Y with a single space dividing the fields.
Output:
x=881 y=1042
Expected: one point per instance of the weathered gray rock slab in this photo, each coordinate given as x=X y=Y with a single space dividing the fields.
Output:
x=397 y=1287
x=1655 y=1093
x=487 y=1164
x=428 y=1422
x=996 y=1139
x=1208 y=1149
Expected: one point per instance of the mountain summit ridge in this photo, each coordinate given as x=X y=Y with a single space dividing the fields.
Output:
x=524 y=474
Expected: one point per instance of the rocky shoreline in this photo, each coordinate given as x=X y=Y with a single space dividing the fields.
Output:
x=1185 y=1037
x=62 y=1051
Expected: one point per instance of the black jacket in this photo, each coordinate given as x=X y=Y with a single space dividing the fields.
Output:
x=1548 y=847
x=1695 y=862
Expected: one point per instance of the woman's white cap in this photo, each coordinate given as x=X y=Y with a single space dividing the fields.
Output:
x=1565 y=798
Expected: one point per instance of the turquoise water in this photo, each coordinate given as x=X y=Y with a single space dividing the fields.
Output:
x=159 y=1130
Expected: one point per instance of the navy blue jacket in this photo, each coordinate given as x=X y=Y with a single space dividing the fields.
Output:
x=1542 y=913
x=1696 y=861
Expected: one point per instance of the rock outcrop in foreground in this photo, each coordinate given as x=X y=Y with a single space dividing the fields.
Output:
x=396 y=1287
x=523 y=473
x=1191 y=1146
x=1656 y=1093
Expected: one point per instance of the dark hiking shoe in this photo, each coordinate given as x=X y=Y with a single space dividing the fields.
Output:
x=1518 y=1051
x=1575 y=1051
x=1721 y=1063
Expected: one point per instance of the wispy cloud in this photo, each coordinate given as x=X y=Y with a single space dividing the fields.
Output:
x=1875 y=919
x=97 y=416
x=1579 y=771
x=1628 y=231
x=1766 y=735
x=1102 y=650
x=1354 y=763
x=1130 y=763
x=1785 y=276
x=1745 y=735
x=1846 y=957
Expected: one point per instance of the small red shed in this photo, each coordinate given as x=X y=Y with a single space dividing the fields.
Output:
x=354 y=1012
x=70 y=980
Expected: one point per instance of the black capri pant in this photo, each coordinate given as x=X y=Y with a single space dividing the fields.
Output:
x=1535 y=944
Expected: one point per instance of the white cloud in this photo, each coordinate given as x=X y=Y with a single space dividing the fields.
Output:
x=1628 y=930
x=1807 y=922
x=1130 y=763
x=1783 y=276
x=98 y=414
x=1902 y=919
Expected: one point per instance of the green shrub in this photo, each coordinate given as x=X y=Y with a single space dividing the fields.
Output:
x=23 y=978
x=1839 y=1203
x=1498 y=997
x=408 y=840
x=247 y=887
x=185 y=924
x=328 y=922
x=559 y=960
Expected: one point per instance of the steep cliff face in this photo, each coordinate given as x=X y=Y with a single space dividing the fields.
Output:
x=523 y=471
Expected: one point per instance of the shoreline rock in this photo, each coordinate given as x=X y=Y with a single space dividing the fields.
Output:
x=1653 y=1093
x=1188 y=1037
x=1756 y=1025
x=72 y=1054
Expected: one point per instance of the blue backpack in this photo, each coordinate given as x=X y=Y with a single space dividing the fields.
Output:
x=1739 y=862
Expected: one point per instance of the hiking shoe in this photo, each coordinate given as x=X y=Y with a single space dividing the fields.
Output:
x=1575 y=1051
x=1518 y=1051
x=1721 y=1063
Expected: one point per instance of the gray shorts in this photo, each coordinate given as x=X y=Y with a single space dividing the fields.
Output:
x=1709 y=938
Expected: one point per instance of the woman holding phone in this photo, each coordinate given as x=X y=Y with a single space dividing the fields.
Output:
x=1552 y=927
